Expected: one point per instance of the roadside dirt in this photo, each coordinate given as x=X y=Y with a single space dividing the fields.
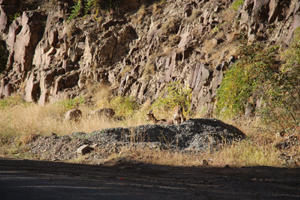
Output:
x=129 y=180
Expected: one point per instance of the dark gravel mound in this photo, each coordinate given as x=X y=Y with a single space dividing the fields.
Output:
x=194 y=134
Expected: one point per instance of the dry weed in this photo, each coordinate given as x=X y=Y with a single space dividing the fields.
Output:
x=228 y=15
x=161 y=157
x=148 y=71
x=208 y=46
x=140 y=15
x=123 y=72
x=19 y=124
x=171 y=26
x=195 y=14
x=156 y=9
x=70 y=29
x=174 y=40
x=102 y=95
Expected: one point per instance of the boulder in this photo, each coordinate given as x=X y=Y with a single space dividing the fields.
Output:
x=84 y=149
x=104 y=112
x=73 y=115
x=8 y=89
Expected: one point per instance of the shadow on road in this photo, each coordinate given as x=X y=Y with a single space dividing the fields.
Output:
x=28 y=179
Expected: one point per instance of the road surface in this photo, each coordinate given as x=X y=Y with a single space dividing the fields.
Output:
x=26 y=179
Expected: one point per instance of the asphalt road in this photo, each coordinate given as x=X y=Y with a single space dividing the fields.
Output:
x=25 y=179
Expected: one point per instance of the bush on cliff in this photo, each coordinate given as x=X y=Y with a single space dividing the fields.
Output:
x=266 y=83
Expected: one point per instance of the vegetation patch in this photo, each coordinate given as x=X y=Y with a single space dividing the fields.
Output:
x=14 y=16
x=12 y=101
x=124 y=106
x=75 y=10
x=283 y=91
x=69 y=104
x=266 y=84
x=149 y=71
x=247 y=80
x=174 y=94
x=171 y=26
x=140 y=15
x=236 y=4
x=90 y=7
x=174 y=40
x=124 y=71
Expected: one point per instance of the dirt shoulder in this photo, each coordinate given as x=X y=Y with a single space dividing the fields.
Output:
x=52 y=180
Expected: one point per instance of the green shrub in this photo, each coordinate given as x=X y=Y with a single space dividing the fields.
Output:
x=235 y=5
x=282 y=105
x=12 y=101
x=75 y=10
x=14 y=16
x=124 y=106
x=90 y=6
x=259 y=76
x=247 y=80
x=175 y=94
x=72 y=103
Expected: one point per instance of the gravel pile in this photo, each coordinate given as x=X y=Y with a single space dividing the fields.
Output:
x=198 y=135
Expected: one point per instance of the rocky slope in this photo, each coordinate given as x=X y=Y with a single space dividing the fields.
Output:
x=136 y=50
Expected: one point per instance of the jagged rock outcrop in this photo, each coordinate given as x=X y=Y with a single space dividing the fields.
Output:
x=137 y=55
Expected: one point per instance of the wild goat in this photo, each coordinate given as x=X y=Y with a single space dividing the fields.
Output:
x=150 y=117
x=178 y=115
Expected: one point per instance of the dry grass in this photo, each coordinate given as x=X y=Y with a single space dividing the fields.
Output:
x=208 y=46
x=149 y=71
x=161 y=157
x=124 y=71
x=171 y=26
x=138 y=18
x=101 y=94
x=156 y=9
x=258 y=149
x=195 y=14
x=228 y=15
x=27 y=120
x=19 y=124
x=174 y=40
x=246 y=153
x=70 y=29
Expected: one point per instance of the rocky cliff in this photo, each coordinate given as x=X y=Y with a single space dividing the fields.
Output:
x=136 y=50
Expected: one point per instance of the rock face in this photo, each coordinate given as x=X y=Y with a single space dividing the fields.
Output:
x=50 y=59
